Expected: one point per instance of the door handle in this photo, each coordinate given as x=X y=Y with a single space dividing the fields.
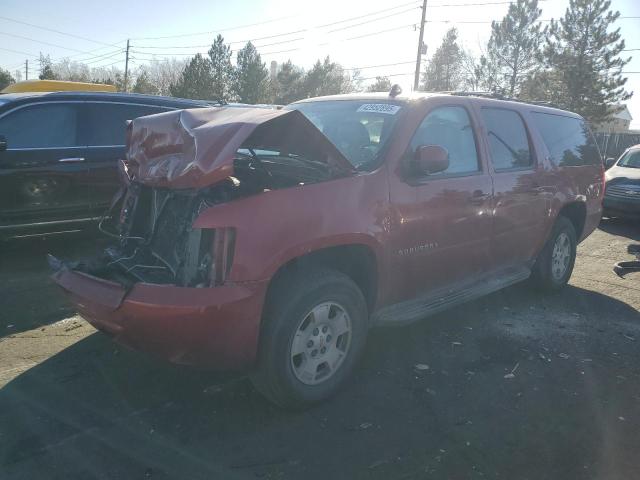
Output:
x=478 y=197
x=71 y=160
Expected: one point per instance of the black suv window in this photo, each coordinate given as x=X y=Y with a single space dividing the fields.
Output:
x=508 y=140
x=41 y=126
x=449 y=127
x=568 y=139
x=105 y=122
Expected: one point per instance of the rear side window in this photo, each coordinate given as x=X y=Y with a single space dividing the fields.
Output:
x=41 y=126
x=450 y=128
x=106 y=122
x=568 y=140
x=508 y=140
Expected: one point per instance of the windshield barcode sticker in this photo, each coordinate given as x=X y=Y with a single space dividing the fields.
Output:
x=387 y=108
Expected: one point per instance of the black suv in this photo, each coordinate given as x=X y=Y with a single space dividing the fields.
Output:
x=59 y=153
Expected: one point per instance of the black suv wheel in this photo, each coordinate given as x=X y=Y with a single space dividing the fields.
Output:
x=554 y=265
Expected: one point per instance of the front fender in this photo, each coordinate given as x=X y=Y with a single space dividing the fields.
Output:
x=274 y=227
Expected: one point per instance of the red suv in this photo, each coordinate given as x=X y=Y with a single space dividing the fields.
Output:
x=272 y=240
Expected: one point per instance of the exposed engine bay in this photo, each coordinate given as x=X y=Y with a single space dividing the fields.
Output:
x=163 y=192
x=156 y=243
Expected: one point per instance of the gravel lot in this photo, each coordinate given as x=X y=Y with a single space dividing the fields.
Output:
x=514 y=386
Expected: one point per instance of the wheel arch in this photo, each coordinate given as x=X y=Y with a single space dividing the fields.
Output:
x=576 y=213
x=357 y=261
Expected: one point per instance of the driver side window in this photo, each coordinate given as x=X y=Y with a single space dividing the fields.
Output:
x=450 y=128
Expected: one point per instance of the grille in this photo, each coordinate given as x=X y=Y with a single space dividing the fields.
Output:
x=623 y=191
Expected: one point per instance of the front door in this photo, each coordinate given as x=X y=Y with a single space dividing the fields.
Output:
x=43 y=172
x=440 y=237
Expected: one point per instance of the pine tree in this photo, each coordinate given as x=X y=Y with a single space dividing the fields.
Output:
x=382 y=84
x=326 y=78
x=5 y=78
x=252 y=76
x=287 y=86
x=514 y=45
x=143 y=84
x=222 y=72
x=583 y=63
x=195 y=80
x=444 y=70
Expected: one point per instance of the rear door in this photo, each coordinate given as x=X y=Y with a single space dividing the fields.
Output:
x=521 y=198
x=103 y=132
x=43 y=172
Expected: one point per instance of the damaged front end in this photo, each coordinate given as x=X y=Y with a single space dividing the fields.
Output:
x=181 y=163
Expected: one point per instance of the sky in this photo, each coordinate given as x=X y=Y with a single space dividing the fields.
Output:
x=378 y=37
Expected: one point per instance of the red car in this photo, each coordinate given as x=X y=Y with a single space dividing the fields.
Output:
x=272 y=240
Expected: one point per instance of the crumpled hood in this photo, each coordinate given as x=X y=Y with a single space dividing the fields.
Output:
x=196 y=148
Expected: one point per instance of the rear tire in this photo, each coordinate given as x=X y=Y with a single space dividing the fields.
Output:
x=313 y=334
x=554 y=265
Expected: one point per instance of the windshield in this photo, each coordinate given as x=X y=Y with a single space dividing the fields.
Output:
x=631 y=159
x=359 y=128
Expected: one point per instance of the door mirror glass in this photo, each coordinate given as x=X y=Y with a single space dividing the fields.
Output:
x=3 y=143
x=431 y=159
x=609 y=162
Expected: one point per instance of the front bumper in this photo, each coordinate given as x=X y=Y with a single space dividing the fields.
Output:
x=621 y=207
x=214 y=327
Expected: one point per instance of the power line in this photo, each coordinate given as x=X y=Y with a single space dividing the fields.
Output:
x=119 y=52
x=40 y=41
x=455 y=22
x=373 y=20
x=229 y=43
x=382 y=65
x=56 y=31
x=473 y=4
x=19 y=52
x=367 y=14
x=215 y=31
x=391 y=75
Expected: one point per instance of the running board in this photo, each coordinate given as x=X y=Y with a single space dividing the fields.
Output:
x=413 y=310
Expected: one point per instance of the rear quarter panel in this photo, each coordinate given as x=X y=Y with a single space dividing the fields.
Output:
x=568 y=184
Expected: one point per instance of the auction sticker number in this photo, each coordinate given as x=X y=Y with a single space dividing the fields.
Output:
x=387 y=108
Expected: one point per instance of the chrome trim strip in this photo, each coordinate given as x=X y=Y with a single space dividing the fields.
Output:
x=55 y=222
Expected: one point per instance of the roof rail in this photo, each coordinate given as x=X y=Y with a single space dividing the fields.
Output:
x=499 y=96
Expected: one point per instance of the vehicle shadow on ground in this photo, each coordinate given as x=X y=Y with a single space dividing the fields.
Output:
x=28 y=297
x=98 y=411
x=624 y=228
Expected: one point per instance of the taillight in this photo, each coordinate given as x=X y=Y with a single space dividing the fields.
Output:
x=223 y=251
x=604 y=181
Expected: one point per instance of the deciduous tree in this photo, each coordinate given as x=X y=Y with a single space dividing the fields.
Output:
x=382 y=84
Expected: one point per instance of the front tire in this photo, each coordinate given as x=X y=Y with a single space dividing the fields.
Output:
x=313 y=334
x=554 y=265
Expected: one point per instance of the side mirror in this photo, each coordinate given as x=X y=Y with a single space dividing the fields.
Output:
x=609 y=162
x=3 y=143
x=431 y=159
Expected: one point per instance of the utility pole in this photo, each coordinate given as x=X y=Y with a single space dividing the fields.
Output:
x=126 y=67
x=416 y=78
x=26 y=69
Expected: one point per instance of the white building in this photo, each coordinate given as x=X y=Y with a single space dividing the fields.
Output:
x=619 y=123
